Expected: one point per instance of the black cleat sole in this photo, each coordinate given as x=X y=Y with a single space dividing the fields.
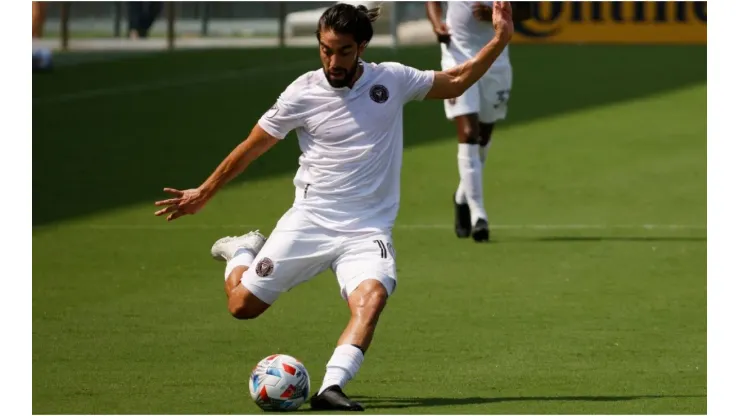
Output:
x=463 y=228
x=480 y=231
x=333 y=399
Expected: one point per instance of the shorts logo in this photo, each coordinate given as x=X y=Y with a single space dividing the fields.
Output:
x=265 y=267
x=452 y=101
x=379 y=94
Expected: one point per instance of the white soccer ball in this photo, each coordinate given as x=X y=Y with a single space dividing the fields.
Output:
x=279 y=382
x=42 y=59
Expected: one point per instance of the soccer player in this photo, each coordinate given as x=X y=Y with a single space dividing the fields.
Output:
x=464 y=33
x=349 y=123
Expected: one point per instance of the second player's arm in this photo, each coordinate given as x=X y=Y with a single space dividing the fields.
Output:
x=434 y=13
x=454 y=81
x=256 y=144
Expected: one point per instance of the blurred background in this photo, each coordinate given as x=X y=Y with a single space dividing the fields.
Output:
x=590 y=299
x=107 y=25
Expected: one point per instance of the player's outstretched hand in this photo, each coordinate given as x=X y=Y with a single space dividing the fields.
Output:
x=185 y=202
x=502 y=19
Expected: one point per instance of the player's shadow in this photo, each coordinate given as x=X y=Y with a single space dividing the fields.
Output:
x=387 y=402
x=590 y=239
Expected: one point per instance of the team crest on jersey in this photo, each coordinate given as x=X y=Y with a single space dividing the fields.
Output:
x=272 y=111
x=264 y=267
x=379 y=93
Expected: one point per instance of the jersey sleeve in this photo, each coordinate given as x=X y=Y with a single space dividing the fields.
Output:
x=414 y=83
x=285 y=115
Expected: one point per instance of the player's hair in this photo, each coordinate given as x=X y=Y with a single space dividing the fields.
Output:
x=349 y=20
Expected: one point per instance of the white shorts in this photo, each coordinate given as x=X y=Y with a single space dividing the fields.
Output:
x=488 y=97
x=298 y=249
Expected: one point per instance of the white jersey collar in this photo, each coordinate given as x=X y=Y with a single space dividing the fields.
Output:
x=346 y=90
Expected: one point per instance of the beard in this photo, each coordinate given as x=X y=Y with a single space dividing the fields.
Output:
x=348 y=76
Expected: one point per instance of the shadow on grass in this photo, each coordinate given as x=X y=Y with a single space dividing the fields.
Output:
x=408 y=402
x=591 y=239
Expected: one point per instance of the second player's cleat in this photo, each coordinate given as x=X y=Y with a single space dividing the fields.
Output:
x=480 y=231
x=333 y=398
x=462 y=219
x=225 y=248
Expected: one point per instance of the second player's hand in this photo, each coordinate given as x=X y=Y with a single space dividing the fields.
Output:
x=443 y=34
x=502 y=19
x=189 y=201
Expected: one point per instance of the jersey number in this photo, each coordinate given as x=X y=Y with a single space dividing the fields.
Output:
x=503 y=97
x=385 y=249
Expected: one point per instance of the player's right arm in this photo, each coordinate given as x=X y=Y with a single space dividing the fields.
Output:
x=274 y=125
x=454 y=81
x=257 y=143
x=190 y=201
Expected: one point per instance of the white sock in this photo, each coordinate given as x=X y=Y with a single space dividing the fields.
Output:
x=342 y=366
x=460 y=194
x=471 y=178
x=484 y=153
x=243 y=257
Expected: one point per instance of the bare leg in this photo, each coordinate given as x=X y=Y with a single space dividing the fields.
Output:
x=366 y=303
x=242 y=303
x=38 y=19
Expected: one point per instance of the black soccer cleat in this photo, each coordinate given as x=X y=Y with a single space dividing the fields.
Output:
x=333 y=398
x=480 y=231
x=462 y=219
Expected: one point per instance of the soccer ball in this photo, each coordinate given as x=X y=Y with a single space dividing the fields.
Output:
x=279 y=382
x=42 y=59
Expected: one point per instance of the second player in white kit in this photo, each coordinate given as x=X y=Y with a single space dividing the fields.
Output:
x=489 y=96
x=348 y=117
x=462 y=33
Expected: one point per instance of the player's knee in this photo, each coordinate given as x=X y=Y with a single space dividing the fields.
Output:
x=370 y=301
x=470 y=134
x=246 y=307
x=242 y=311
x=468 y=129
x=486 y=130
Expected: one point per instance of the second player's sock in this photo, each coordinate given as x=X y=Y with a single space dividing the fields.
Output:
x=342 y=366
x=471 y=178
x=483 y=151
x=242 y=257
x=460 y=198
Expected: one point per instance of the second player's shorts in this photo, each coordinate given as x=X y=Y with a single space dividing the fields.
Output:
x=488 y=97
x=298 y=249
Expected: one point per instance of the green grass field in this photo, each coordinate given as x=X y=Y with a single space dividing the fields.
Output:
x=574 y=307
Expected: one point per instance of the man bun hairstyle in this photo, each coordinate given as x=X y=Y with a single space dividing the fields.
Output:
x=372 y=14
x=349 y=20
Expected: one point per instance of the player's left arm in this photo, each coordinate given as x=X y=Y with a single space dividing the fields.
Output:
x=521 y=11
x=454 y=81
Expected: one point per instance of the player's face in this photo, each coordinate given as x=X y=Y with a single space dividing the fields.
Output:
x=340 y=56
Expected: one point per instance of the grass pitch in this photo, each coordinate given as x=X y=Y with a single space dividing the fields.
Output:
x=576 y=306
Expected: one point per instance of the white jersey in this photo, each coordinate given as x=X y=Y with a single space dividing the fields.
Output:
x=351 y=141
x=469 y=35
